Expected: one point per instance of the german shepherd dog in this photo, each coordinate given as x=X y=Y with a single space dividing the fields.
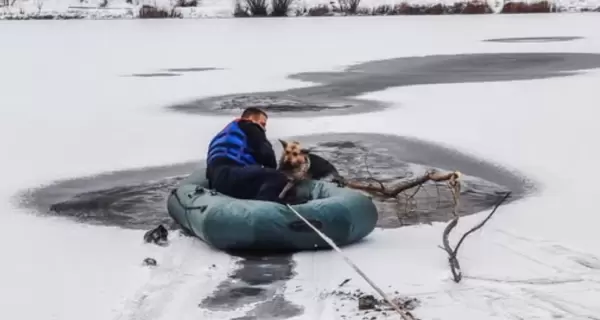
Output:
x=299 y=164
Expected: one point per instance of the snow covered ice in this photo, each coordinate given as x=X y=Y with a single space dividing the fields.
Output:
x=70 y=108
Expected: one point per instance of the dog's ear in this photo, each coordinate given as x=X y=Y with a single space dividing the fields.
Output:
x=283 y=143
x=305 y=150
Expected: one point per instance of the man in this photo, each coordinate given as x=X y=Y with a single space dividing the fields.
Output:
x=241 y=162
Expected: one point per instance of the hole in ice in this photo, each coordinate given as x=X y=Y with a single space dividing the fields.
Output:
x=135 y=199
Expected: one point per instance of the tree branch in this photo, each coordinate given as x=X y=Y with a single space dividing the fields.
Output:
x=452 y=253
x=482 y=223
x=378 y=188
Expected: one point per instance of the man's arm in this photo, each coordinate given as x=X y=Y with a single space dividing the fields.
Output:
x=262 y=150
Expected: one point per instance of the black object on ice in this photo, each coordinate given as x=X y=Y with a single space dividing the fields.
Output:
x=158 y=235
x=150 y=262
x=367 y=302
x=344 y=282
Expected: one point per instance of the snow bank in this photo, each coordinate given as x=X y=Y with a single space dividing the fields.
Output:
x=129 y=9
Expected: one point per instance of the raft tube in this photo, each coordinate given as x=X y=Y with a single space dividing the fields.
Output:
x=227 y=223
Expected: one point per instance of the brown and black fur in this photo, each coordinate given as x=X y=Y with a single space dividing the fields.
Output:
x=298 y=164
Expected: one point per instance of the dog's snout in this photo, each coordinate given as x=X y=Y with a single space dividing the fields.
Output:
x=286 y=165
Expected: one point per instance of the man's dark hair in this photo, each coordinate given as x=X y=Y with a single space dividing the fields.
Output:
x=251 y=111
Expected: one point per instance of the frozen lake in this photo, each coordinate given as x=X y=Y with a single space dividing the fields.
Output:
x=71 y=108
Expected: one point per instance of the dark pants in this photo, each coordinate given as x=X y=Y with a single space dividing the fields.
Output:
x=250 y=182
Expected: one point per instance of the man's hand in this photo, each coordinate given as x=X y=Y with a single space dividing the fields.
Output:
x=339 y=180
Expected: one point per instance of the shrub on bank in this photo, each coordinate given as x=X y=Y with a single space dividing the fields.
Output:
x=240 y=11
x=352 y=7
x=349 y=6
x=256 y=8
x=321 y=10
x=186 y=3
x=522 y=7
x=403 y=8
x=150 y=12
x=262 y=8
x=281 y=8
x=40 y=16
x=472 y=7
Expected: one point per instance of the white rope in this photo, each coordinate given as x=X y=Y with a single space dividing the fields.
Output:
x=405 y=315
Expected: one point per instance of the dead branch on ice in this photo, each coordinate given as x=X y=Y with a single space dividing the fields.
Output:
x=378 y=188
x=452 y=253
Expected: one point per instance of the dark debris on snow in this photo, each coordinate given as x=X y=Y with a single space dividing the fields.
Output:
x=370 y=306
x=150 y=262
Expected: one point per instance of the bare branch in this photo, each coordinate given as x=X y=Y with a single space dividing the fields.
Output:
x=379 y=189
x=482 y=223
x=452 y=253
x=452 y=260
x=381 y=185
x=376 y=187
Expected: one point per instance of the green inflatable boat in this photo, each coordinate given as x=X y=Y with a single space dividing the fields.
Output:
x=227 y=223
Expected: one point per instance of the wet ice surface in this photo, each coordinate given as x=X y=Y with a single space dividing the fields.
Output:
x=534 y=39
x=259 y=279
x=172 y=72
x=277 y=104
x=334 y=91
x=192 y=69
x=155 y=75
x=132 y=199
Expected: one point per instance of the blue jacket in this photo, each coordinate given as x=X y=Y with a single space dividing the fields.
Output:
x=231 y=143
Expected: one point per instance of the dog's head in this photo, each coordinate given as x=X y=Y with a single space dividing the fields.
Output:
x=299 y=163
x=293 y=157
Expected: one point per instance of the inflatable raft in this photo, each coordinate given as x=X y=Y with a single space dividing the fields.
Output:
x=227 y=223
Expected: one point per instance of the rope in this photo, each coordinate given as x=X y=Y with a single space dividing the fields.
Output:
x=405 y=315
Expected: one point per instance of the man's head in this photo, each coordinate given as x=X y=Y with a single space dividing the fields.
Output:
x=256 y=115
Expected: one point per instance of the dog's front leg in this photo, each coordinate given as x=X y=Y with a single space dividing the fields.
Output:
x=288 y=186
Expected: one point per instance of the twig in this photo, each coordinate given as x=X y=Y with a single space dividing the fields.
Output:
x=452 y=253
x=482 y=223
x=381 y=185
x=412 y=197
x=344 y=282
x=377 y=187
x=452 y=260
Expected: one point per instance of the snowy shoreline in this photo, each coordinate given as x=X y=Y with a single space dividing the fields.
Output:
x=223 y=9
